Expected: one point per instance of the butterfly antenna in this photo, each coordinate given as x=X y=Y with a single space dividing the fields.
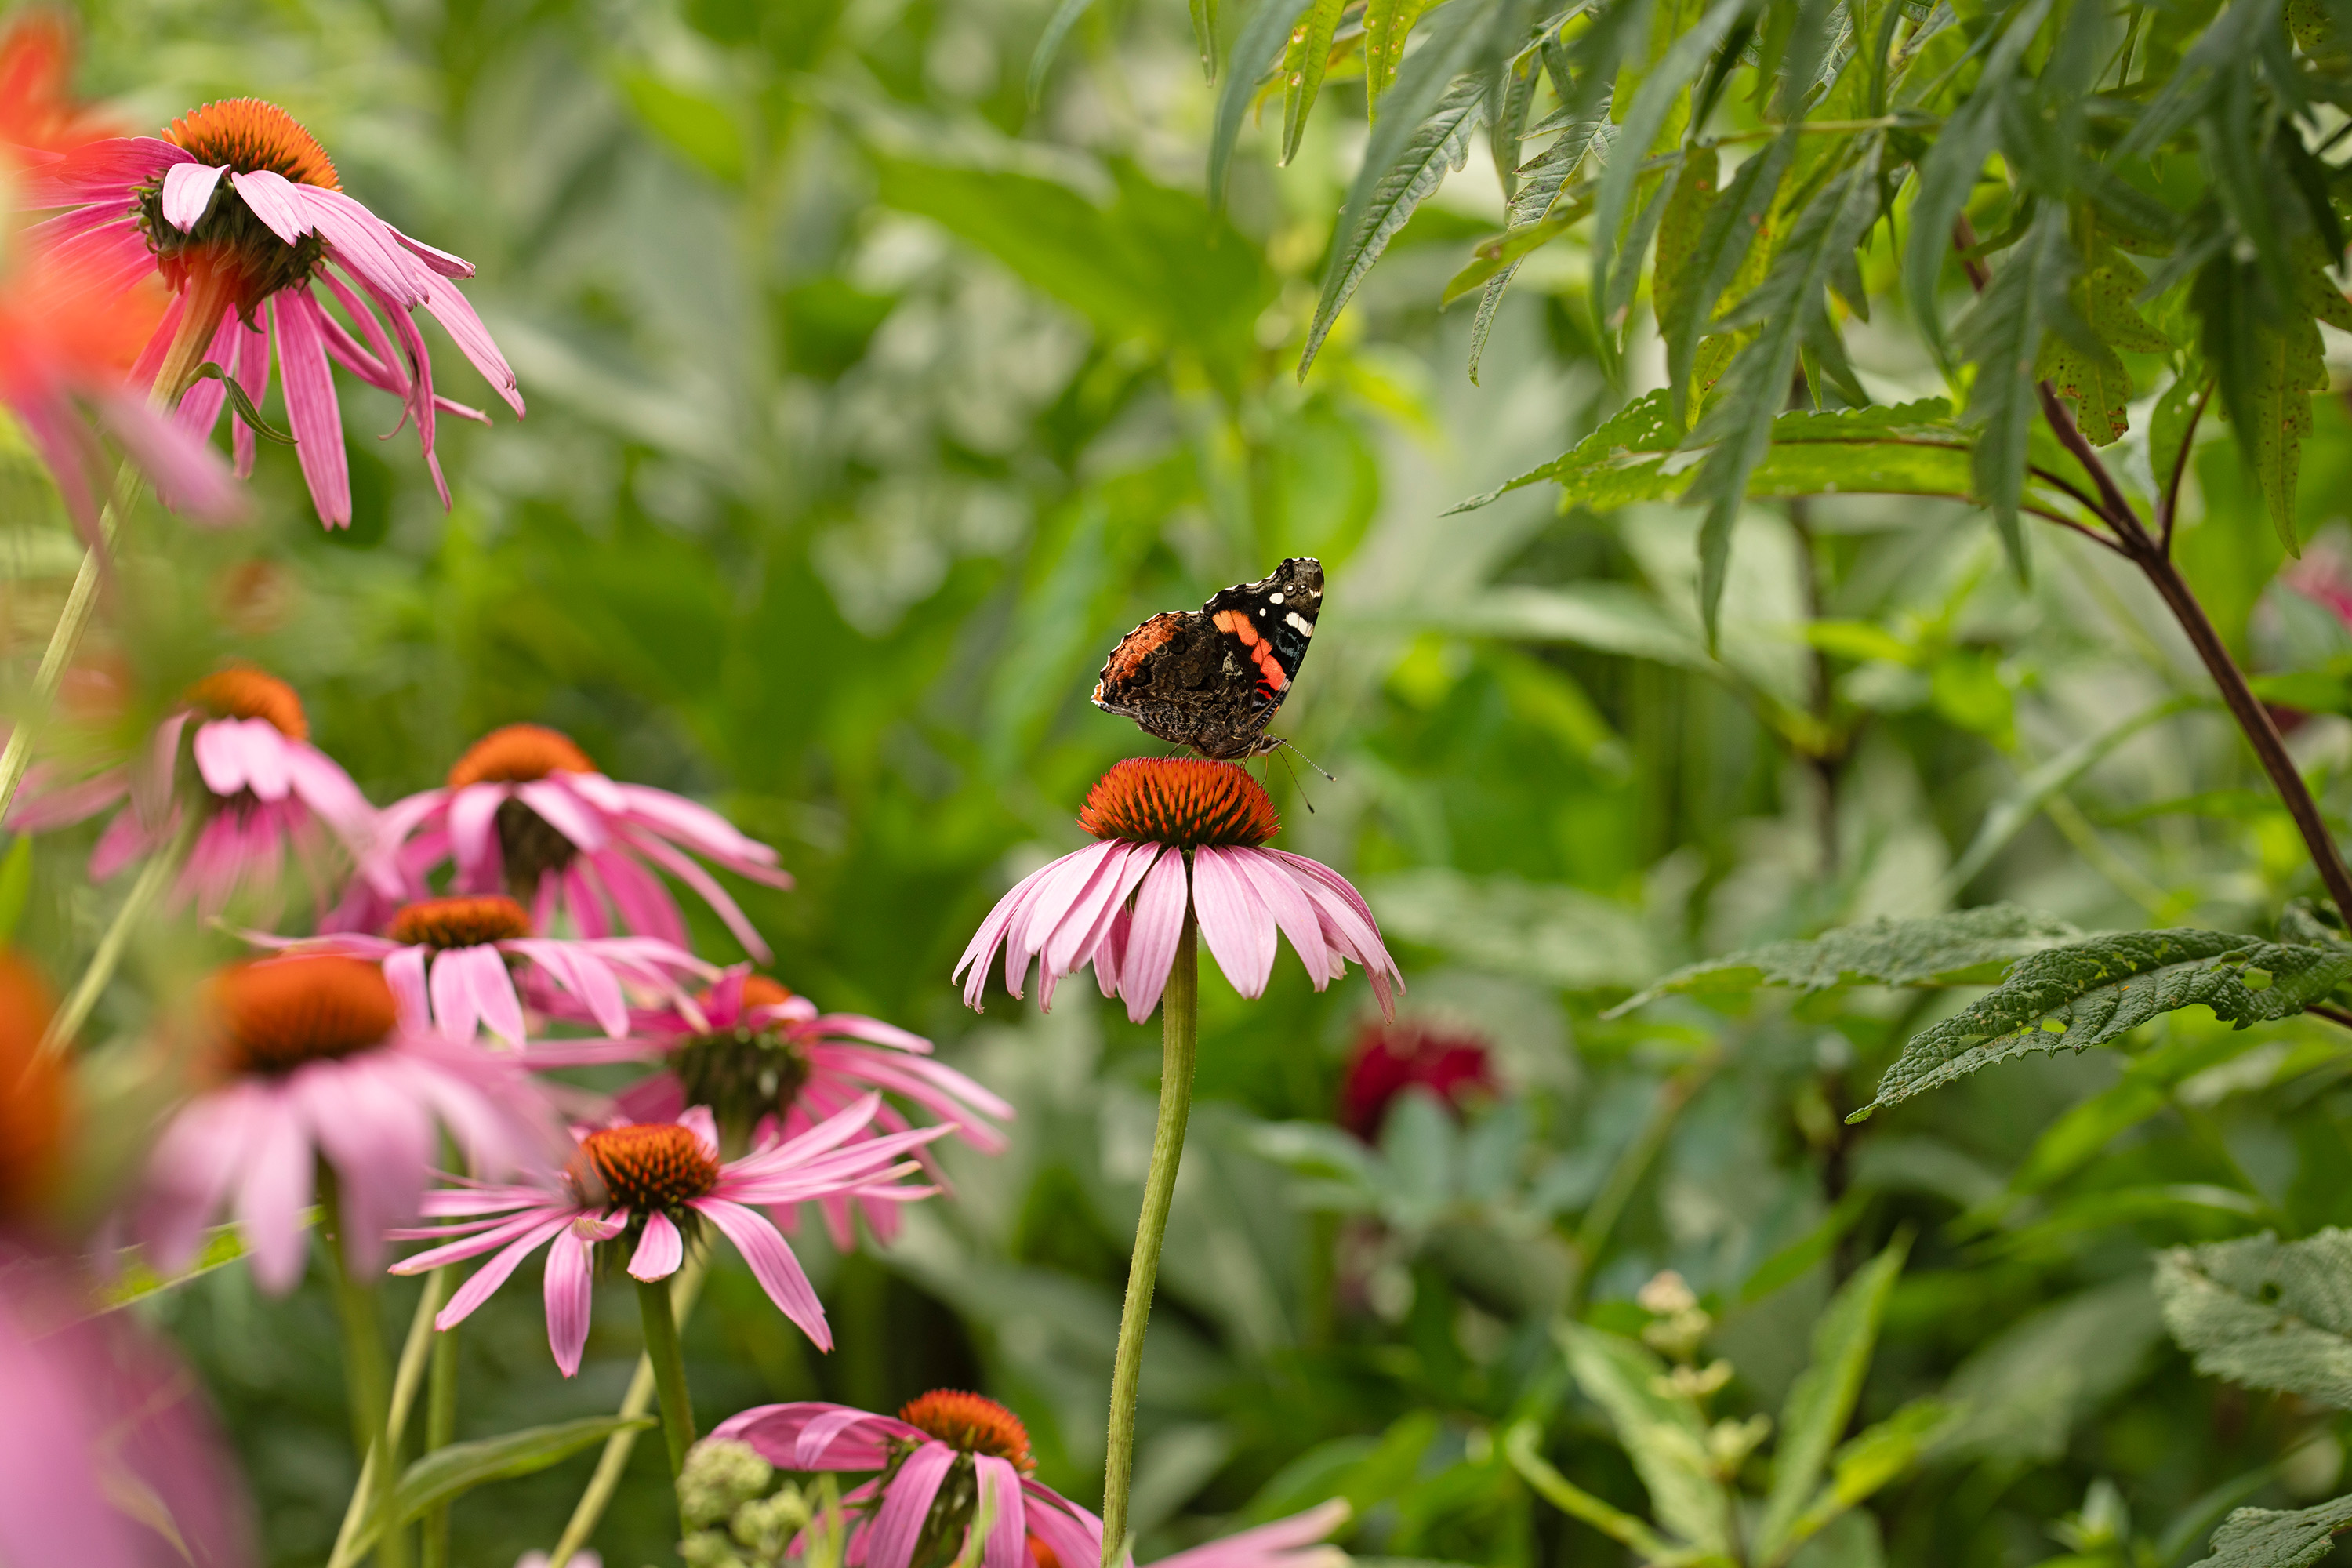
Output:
x=1329 y=777
x=1293 y=779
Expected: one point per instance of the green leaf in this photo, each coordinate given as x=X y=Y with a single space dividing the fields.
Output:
x=1823 y=1398
x=1559 y=935
x=1388 y=25
x=1645 y=120
x=2093 y=376
x=2094 y=991
x=1789 y=307
x=1262 y=29
x=1501 y=256
x=2265 y=1313
x=243 y=403
x=1427 y=133
x=1662 y=1433
x=1965 y=947
x=16 y=886
x=697 y=128
x=133 y=1281
x=1205 y=32
x=1536 y=218
x=2020 y=1395
x=451 y=1471
x=2002 y=332
x=2275 y=1538
x=1304 y=61
x=1049 y=44
x=1713 y=262
x=2266 y=369
x=1880 y=1454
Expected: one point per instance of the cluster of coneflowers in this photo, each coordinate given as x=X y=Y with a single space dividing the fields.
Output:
x=391 y=1081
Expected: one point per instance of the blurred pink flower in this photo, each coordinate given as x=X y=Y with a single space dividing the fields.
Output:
x=1293 y=1542
x=940 y=1433
x=266 y=789
x=314 y=1066
x=448 y=962
x=526 y=812
x=240 y=211
x=769 y=1066
x=1453 y=1065
x=1120 y=904
x=656 y=1182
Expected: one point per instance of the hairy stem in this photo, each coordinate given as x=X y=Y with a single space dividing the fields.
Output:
x=668 y=1361
x=1180 y=1040
x=615 y=1459
x=369 y=1376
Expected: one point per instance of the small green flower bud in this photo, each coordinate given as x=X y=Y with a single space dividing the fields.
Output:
x=721 y=1476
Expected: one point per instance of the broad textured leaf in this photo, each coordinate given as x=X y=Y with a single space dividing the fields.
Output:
x=2276 y=1538
x=1432 y=121
x=2002 y=332
x=1388 y=27
x=2265 y=1312
x=1822 y=1400
x=1963 y=948
x=1304 y=61
x=1789 y=308
x=2020 y=1397
x=1662 y=1433
x=452 y=1471
x=2094 y=991
x=1263 y=30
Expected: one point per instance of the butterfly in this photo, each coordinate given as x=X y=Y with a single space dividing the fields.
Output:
x=1210 y=678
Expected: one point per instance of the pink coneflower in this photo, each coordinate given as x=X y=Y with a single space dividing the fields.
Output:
x=1455 y=1065
x=240 y=211
x=264 y=789
x=1120 y=904
x=448 y=960
x=526 y=812
x=649 y=1187
x=769 y=1066
x=313 y=1067
x=936 y=1457
x=1293 y=1542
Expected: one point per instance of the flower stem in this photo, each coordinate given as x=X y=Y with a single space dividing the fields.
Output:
x=414 y=1352
x=153 y=877
x=368 y=1377
x=669 y=1370
x=619 y=1444
x=1180 y=1040
x=440 y=1426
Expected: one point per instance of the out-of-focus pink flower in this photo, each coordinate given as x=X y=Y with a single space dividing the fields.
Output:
x=2323 y=576
x=447 y=962
x=769 y=1066
x=68 y=337
x=649 y=1186
x=240 y=211
x=1293 y=1542
x=264 y=789
x=1388 y=1060
x=942 y=1435
x=1120 y=904
x=526 y=812
x=314 y=1066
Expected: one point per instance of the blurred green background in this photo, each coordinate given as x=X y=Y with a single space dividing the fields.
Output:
x=869 y=404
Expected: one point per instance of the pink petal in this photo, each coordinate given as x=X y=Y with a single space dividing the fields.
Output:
x=698 y=1120
x=773 y=1264
x=403 y=971
x=266 y=771
x=473 y=811
x=274 y=1190
x=273 y=198
x=1292 y=910
x=890 y=1539
x=493 y=1274
x=220 y=756
x=1153 y=935
x=186 y=470
x=1008 y=1534
x=311 y=404
x=106 y=170
x=455 y=1008
x=440 y=261
x=659 y=1252
x=569 y=1294
x=561 y=810
x=187 y=191
x=493 y=994
x=1236 y=924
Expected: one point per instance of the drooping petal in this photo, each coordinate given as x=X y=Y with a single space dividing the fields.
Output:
x=187 y=472
x=890 y=1539
x=493 y=994
x=275 y=200
x=311 y=404
x=1008 y=1532
x=473 y=812
x=272 y=1191
x=660 y=1250
x=494 y=1273
x=403 y=971
x=1153 y=935
x=1291 y=908
x=773 y=1264
x=266 y=771
x=105 y=171
x=569 y=1294
x=187 y=191
x=698 y=1120
x=1236 y=924
x=455 y=1009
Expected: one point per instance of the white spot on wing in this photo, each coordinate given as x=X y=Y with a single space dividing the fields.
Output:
x=1277 y=597
x=1299 y=624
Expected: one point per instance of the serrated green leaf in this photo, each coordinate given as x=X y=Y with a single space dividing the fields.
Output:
x=2265 y=374
x=1660 y=1432
x=1433 y=119
x=1789 y=307
x=1304 y=61
x=2265 y=1313
x=2002 y=333
x=1502 y=255
x=1536 y=207
x=1263 y=30
x=1723 y=253
x=1645 y=121
x=1388 y=25
x=451 y=1471
x=2094 y=991
x=1520 y=76
x=1821 y=1399
x=1962 y=948
x=2093 y=376
x=2275 y=1538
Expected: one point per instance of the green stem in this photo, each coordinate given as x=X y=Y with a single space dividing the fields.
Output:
x=367 y=1372
x=669 y=1370
x=153 y=877
x=440 y=1426
x=619 y=1444
x=414 y=1353
x=1180 y=1040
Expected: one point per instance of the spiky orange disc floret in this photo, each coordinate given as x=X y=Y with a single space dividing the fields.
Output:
x=759 y=991
x=241 y=691
x=971 y=1424
x=249 y=133
x=277 y=1014
x=1182 y=800
x=32 y=1092
x=518 y=754
x=460 y=922
x=656 y=1166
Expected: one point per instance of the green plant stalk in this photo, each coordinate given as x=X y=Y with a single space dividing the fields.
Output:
x=365 y=1368
x=414 y=1352
x=153 y=877
x=668 y=1361
x=440 y=1427
x=619 y=1444
x=1180 y=1041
